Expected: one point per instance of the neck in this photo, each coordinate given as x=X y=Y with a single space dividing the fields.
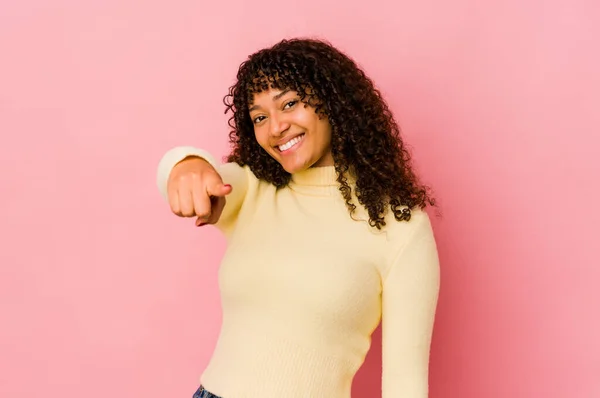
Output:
x=315 y=176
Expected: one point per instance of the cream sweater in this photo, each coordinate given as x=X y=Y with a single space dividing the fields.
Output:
x=303 y=286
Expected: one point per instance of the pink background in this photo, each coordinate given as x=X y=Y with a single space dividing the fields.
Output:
x=103 y=293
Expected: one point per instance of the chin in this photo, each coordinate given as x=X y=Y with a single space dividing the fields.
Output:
x=295 y=168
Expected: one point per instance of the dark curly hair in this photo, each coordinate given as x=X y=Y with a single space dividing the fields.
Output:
x=365 y=138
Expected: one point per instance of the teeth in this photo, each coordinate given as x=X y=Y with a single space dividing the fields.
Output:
x=290 y=143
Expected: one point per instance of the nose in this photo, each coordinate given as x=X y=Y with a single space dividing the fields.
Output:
x=279 y=125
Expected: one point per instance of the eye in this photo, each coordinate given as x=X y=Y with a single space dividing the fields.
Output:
x=290 y=104
x=258 y=119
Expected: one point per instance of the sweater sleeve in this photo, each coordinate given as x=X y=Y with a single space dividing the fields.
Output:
x=231 y=173
x=409 y=301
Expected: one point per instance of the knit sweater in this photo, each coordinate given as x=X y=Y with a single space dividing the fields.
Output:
x=303 y=286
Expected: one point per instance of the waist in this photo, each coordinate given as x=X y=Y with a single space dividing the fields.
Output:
x=269 y=366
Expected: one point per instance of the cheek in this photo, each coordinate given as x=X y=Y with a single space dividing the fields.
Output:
x=261 y=138
x=321 y=123
x=325 y=130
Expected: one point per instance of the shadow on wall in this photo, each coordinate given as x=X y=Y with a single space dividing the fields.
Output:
x=367 y=382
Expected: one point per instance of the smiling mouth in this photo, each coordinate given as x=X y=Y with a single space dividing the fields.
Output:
x=291 y=143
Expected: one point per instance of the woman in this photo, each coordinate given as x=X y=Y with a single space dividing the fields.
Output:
x=325 y=227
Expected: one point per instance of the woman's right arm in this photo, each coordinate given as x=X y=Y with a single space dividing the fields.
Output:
x=196 y=181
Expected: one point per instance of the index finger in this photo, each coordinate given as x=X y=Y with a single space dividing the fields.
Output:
x=216 y=187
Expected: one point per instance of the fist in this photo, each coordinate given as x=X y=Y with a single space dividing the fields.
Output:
x=195 y=189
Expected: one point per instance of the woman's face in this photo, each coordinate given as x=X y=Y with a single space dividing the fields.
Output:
x=290 y=131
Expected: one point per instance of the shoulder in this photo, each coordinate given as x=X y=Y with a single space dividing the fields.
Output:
x=234 y=172
x=400 y=233
x=405 y=239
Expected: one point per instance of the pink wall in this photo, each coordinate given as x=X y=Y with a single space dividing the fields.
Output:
x=104 y=294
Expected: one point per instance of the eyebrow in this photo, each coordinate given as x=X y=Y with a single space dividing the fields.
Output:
x=275 y=98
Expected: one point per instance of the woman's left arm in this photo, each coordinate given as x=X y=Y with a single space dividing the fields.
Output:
x=409 y=301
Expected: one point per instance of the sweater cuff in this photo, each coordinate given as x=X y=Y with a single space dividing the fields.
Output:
x=174 y=156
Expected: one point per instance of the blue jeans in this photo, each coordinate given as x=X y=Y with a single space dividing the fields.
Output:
x=202 y=393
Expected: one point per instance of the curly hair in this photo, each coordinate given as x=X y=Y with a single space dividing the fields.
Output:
x=365 y=138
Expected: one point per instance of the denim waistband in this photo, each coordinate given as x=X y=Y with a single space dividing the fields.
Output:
x=202 y=393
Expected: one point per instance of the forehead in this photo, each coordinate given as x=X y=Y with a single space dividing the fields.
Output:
x=266 y=84
x=271 y=94
x=264 y=98
x=265 y=88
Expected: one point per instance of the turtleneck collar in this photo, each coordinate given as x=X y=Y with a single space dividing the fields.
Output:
x=316 y=176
